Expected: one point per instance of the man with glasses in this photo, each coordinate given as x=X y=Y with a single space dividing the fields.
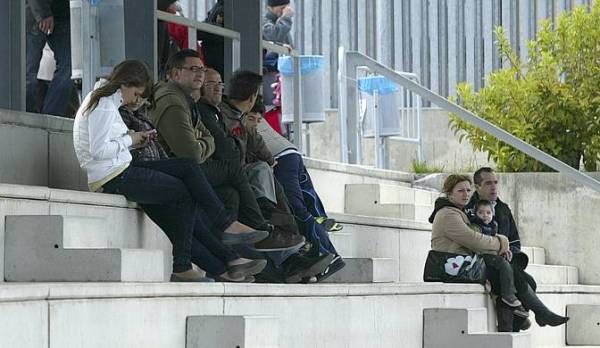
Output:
x=182 y=134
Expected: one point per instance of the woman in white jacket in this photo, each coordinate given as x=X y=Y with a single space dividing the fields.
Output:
x=169 y=191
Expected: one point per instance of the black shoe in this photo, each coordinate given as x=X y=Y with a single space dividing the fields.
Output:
x=297 y=267
x=336 y=264
x=551 y=319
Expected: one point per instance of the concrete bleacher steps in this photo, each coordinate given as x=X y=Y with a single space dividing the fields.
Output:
x=465 y=327
x=124 y=227
x=67 y=248
x=153 y=315
x=393 y=201
x=232 y=331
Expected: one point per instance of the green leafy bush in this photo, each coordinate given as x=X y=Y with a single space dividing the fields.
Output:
x=552 y=101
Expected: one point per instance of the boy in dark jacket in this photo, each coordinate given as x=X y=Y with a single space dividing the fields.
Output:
x=482 y=220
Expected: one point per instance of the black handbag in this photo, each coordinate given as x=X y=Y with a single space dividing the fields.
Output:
x=470 y=270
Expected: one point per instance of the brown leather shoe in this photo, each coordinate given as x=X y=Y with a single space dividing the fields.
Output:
x=280 y=240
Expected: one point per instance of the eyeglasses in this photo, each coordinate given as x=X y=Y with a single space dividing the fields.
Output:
x=195 y=69
x=214 y=84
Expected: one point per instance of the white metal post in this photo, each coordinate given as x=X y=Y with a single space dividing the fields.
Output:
x=342 y=105
x=297 y=104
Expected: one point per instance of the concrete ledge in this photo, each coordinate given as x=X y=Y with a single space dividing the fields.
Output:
x=243 y=331
x=554 y=274
x=381 y=222
x=14 y=292
x=26 y=119
x=64 y=196
x=329 y=166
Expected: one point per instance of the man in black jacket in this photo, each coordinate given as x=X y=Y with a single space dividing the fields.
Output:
x=47 y=21
x=294 y=267
x=486 y=186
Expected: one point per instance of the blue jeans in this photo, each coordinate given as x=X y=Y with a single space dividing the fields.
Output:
x=59 y=91
x=289 y=171
x=170 y=191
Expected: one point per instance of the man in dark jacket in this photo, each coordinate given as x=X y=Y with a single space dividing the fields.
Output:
x=486 y=185
x=230 y=145
x=47 y=21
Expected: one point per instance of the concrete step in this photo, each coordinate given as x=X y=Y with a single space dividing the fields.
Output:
x=153 y=314
x=584 y=326
x=536 y=255
x=465 y=327
x=38 y=248
x=239 y=331
x=554 y=274
x=388 y=201
x=402 y=240
x=393 y=194
x=366 y=270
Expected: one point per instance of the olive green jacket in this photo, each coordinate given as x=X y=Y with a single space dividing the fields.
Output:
x=172 y=116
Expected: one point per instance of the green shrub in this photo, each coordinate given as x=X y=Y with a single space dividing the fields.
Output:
x=423 y=167
x=552 y=101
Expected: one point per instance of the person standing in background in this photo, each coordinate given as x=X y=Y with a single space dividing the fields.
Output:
x=48 y=21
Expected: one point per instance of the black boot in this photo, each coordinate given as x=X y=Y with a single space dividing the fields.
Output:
x=543 y=315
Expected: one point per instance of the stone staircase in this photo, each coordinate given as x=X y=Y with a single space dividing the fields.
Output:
x=379 y=300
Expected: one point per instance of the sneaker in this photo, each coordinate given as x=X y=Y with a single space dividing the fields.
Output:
x=244 y=238
x=297 y=267
x=251 y=267
x=280 y=240
x=194 y=274
x=336 y=264
x=329 y=224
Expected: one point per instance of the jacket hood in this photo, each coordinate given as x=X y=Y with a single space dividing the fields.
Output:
x=440 y=203
x=166 y=94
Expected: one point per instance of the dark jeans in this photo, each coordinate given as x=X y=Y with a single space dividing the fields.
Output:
x=507 y=321
x=59 y=91
x=506 y=278
x=170 y=191
x=208 y=251
x=231 y=184
x=289 y=171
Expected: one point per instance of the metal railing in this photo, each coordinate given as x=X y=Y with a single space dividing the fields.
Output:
x=297 y=138
x=460 y=112
x=194 y=25
x=408 y=112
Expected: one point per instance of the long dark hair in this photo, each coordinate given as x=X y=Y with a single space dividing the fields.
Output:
x=128 y=73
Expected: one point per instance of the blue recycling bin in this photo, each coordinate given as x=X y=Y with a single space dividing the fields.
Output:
x=387 y=106
x=312 y=68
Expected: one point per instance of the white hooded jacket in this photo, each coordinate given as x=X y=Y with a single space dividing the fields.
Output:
x=101 y=140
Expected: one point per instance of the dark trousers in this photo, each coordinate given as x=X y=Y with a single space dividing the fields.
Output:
x=232 y=187
x=170 y=191
x=506 y=278
x=507 y=321
x=289 y=171
x=208 y=251
x=59 y=91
